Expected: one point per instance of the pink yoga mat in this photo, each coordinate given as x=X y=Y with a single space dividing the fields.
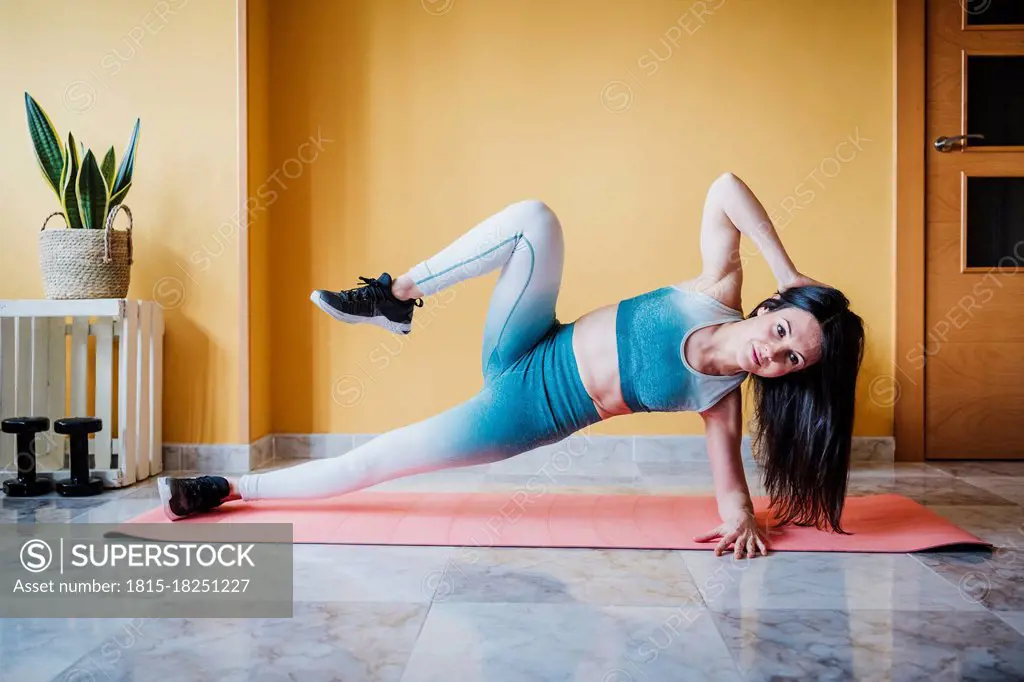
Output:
x=877 y=523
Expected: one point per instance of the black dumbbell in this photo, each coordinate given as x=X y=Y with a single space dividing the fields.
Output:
x=26 y=485
x=78 y=429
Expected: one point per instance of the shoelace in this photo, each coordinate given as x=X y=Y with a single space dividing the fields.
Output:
x=191 y=497
x=200 y=494
x=371 y=289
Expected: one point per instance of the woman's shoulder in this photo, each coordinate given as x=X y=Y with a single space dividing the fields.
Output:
x=725 y=291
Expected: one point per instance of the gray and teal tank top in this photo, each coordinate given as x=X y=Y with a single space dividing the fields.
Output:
x=651 y=330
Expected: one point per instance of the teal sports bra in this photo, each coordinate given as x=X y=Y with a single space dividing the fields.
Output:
x=651 y=330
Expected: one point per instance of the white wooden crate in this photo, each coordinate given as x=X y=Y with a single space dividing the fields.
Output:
x=35 y=356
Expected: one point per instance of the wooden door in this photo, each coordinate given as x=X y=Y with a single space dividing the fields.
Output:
x=973 y=354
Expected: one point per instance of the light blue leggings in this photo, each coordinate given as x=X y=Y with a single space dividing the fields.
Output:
x=532 y=393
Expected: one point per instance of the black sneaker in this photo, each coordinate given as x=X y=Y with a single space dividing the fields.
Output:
x=186 y=496
x=372 y=302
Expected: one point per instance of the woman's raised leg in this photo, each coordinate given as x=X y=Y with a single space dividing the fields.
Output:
x=525 y=240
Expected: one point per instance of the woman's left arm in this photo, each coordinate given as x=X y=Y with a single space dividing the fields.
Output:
x=724 y=433
x=732 y=209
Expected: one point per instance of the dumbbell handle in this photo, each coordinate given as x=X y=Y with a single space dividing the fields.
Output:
x=26 y=458
x=79 y=457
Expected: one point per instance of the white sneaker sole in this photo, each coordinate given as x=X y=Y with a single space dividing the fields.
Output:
x=163 y=486
x=379 y=320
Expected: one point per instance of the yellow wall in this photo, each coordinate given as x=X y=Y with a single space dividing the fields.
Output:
x=95 y=67
x=379 y=130
x=618 y=114
x=258 y=134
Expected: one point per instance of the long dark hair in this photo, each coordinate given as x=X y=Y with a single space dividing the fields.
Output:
x=803 y=421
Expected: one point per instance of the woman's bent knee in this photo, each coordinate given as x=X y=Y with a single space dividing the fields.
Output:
x=536 y=212
x=539 y=222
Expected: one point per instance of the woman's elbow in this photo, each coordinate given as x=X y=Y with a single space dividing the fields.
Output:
x=727 y=180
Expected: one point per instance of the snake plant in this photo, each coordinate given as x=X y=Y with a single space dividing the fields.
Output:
x=88 y=189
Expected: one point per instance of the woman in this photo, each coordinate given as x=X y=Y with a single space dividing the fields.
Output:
x=682 y=347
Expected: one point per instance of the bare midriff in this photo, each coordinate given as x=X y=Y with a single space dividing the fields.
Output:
x=597 y=358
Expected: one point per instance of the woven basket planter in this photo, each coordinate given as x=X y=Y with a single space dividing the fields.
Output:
x=82 y=263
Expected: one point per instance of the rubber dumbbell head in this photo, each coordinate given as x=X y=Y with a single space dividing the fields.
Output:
x=78 y=429
x=73 y=426
x=31 y=425
x=26 y=484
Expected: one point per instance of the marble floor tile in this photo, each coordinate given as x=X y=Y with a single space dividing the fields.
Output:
x=995 y=468
x=674 y=485
x=993 y=579
x=605 y=576
x=568 y=642
x=797 y=644
x=670 y=484
x=698 y=472
x=39 y=648
x=346 y=573
x=116 y=511
x=1001 y=525
x=144 y=491
x=1014 y=619
x=895 y=470
x=811 y=580
x=691 y=478
x=674 y=448
x=677 y=485
x=1007 y=487
x=928 y=490
x=47 y=509
x=321 y=643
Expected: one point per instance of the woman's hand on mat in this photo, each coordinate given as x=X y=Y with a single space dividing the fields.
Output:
x=741 y=533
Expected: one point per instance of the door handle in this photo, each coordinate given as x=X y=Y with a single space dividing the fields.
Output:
x=946 y=144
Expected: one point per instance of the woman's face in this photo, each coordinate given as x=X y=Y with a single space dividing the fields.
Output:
x=780 y=342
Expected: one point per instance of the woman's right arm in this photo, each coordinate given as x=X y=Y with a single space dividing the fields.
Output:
x=723 y=429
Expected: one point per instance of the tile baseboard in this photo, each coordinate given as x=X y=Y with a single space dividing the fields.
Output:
x=219 y=459
x=269 y=448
